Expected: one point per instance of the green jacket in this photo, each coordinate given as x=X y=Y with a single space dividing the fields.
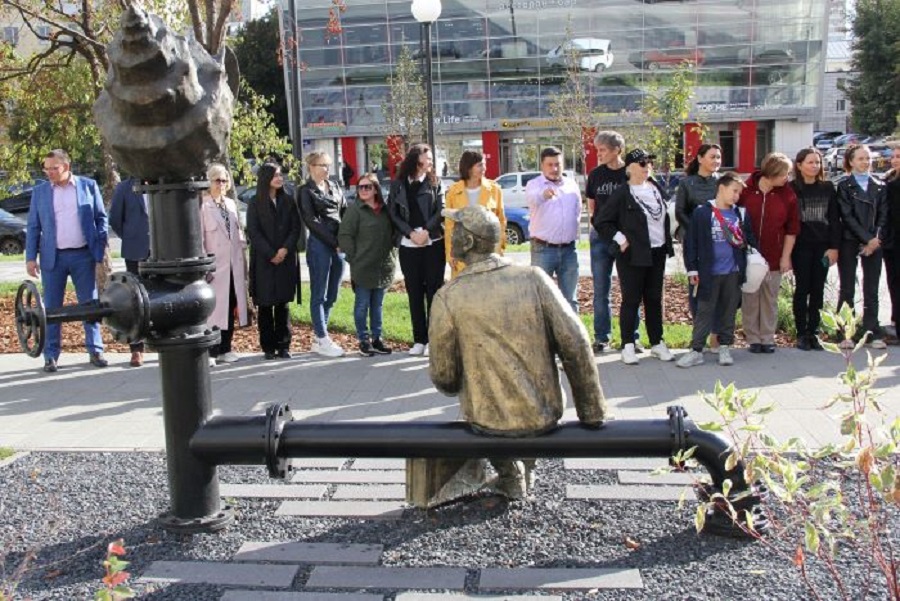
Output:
x=368 y=242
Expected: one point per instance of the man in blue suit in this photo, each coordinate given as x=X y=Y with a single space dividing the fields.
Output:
x=67 y=228
x=128 y=218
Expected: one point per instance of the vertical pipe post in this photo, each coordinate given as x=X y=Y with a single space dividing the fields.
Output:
x=429 y=93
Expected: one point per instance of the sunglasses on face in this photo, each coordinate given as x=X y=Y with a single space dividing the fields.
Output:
x=645 y=163
x=365 y=187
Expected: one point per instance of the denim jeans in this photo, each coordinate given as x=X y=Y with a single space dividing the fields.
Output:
x=561 y=262
x=80 y=265
x=325 y=270
x=602 y=261
x=368 y=307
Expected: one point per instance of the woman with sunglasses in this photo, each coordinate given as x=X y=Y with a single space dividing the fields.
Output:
x=816 y=248
x=367 y=238
x=322 y=205
x=634 y=220
x=224 y=238
x=472 y=189
x=415 y=205
x=772 y=206
x=273 y=228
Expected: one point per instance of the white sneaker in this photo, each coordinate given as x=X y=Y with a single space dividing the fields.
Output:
x=725 y=357
x=327 y=348
x=427 y=350
x=638 y=346
x=661 y=352
x=690 y=359
x=629 y=357
x=212 y=362
x=229 y=357
x=417 y=350
x=878 y=344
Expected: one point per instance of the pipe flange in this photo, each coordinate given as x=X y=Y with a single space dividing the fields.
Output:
x=277 y=416
x=203 y=339
x=208 y=523
x=676 y=431
x=190 y=185
x=178 y=267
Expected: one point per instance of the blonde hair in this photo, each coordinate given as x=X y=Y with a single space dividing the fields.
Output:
x=215 y=170
x=317 y=155
x=775 y=164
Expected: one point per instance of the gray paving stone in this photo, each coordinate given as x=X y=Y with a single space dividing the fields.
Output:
x=632 y=492
x=220 y=573
x=379 y=464
x=274 y=491
x=559 y=578
x=387 y=578
x=351 y=476
x=635 y=477
x=372 y=491
x=334 y=463
x=292 y=596
x=385 y=510
x=615 y=463
x=458 y=597
x=318 y=553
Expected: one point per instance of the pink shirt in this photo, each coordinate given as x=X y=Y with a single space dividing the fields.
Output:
x=555 y=220
x=65 y=211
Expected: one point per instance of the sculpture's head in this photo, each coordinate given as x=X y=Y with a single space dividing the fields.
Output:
x=476 y=233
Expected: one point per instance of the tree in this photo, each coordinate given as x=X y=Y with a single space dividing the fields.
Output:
x=405 y=108
x=254 y=134
x=571 y=106
x=256 y=48
x=876 y=44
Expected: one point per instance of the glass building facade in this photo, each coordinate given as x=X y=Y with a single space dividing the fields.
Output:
x=759 y=66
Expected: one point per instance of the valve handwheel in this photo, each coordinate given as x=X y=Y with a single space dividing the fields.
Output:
x=31 y=319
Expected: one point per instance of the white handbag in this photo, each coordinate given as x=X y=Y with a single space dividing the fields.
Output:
x=757 y=269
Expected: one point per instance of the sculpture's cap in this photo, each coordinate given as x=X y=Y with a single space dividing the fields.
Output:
x=476 y=220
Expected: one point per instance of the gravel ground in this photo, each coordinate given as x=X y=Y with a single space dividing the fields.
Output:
x=65 y=507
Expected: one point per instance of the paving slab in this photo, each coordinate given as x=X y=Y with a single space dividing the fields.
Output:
x=293 y=596
x=384 y=510
x=373 y=491
x=220 y=573
x=559 y=578
x=387 y=578
x=274 y=491
x=378 y=464
x=616 y=463
x=460 y=597
x=318 y=553
x=632 y=492
x=672 y=478
x=351 y=476
x=318 y=463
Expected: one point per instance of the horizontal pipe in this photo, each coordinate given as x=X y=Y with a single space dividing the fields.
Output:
x=243 y=440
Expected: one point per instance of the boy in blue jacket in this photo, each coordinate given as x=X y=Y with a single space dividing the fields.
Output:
x=716 y=262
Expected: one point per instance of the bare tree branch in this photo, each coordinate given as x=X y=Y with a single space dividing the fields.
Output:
x=196 y=21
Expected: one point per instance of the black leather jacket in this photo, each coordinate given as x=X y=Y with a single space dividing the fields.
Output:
x=431 y=203
x=322 y=211
x=864 y=214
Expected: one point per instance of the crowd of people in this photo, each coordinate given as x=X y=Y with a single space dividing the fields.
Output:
x=739 y=240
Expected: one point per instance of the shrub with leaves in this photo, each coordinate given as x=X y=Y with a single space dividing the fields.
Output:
x=841 y=499
x=114 y=583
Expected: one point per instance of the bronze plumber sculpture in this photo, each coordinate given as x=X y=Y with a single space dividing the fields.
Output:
x=165 y=113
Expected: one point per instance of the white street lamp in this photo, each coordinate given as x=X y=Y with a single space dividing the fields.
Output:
x=427 y=12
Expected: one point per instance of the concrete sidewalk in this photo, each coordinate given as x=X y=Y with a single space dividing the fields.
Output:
x=120 y=408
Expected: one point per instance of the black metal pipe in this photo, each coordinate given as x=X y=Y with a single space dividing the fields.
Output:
x=88 y=311
x=429 y=85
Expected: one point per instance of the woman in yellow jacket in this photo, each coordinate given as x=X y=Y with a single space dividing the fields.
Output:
x=472 y=189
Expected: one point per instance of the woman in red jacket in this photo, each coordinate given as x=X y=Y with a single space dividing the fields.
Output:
x=772 y=206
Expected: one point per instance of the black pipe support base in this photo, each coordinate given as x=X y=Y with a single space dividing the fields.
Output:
x=719 y=520
x=211 y=523
x=277 y=416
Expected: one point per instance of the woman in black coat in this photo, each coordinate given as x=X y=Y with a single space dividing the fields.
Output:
x=273 y=227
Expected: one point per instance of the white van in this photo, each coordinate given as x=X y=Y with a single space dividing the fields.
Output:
x=513 y=186
x=592 y=54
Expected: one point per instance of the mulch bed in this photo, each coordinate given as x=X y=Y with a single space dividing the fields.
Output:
x=675 y=310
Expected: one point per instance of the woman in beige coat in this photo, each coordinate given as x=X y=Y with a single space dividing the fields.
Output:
x=224 y=238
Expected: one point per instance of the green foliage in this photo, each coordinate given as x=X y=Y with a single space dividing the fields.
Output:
x=876 y=44
x=6 y=452
x=405 y=108
x=826 y=501
x=256 y=48
x=254 y=134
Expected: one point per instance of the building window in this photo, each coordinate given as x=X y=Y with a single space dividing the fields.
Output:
x=43 y=34
x=841 y=105
x=11 y=35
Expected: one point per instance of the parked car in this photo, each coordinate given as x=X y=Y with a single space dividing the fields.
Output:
x=825 y=140
x=591 y=54
x=513 y=186
x=847 y=139
x=517 y=219
x=665 y=58
x=834 y=159
x=17 y=198
x=12 y=234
